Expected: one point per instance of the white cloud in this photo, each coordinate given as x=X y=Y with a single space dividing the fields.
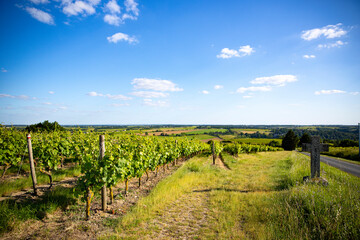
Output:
x=254 y=89
x=328 y=92
x=63 y=108
x=47 y=103
x=128 y=16
x=278 y=80
x=79 y=7
x=145 y=94
x=354 y=93
x=245 y=50
x=331 y=45
x=23 y=97
x=150 y=102
x=205 y=92
x=230 y=53
x=217 y=87
x=120 y=104
x=247 y=96
x=309 y=56
x=329 y=31
x=156 y=85
x=95 y=94
x=51 y=92
x=115 y=97
x=2 y=95
x=94 y=2
x=112 y=20
x=41 y=16
x=121 y=37
x=131 y=6
x=3 y=70
x=113 y=7
x=39 y=1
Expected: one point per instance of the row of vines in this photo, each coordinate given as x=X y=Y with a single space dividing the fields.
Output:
x=238 y=148
x=127 y=156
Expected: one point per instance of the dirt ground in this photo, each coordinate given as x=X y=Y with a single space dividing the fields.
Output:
x=71 y=223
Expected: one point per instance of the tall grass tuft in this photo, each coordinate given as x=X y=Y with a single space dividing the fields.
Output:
x=11 y=212
x=312 y=211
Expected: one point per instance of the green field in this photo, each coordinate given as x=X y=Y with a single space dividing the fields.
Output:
x=257 y=140
x=200 y=136
x=227 y=137
x=206 y=131
x=251 y=130
x=351 y=153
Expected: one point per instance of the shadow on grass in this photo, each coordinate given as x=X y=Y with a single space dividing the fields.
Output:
x=12 y=211
x=282 y=176
x=231 y=190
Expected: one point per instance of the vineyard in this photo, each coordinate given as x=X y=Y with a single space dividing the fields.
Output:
x=127 y=156
x=121 y=180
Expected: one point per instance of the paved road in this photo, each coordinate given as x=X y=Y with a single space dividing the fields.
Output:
x=351 y=168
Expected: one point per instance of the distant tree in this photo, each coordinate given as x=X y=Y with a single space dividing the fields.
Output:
x=45 y=126
x=290 y=141
x=274 y=143
x=305 y=138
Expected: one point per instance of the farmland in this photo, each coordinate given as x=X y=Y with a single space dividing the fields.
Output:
x=166 y=187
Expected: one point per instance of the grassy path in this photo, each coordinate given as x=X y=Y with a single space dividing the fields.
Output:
x=206 y=205
x=261 y=197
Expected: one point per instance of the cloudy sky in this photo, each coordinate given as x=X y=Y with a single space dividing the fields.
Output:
x=180 y=62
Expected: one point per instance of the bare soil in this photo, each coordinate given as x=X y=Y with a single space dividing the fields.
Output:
x=71 y=223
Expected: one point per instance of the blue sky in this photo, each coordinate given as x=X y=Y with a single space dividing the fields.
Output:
x=179 y=62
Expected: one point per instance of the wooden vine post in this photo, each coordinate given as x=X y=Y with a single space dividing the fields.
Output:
x=102 y=155
x=89 y=195
x=32 y=167
x=174 y=163
x=213 y=152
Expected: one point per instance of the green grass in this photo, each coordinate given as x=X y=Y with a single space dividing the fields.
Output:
x=13 y=185
x=350 y=153
x=205 y=131
x=251 y=130
x=261 y=197
x=201 y=136
x=11 y=212
x=257 y=140
x=227 y=137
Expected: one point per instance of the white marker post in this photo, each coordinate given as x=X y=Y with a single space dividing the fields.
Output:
x=32 y=167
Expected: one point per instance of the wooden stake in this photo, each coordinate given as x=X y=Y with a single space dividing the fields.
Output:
x=32 y=167
x=89 y=196
x=111 y=196
x=103 y=189
x=126 y=186
x=213 y=152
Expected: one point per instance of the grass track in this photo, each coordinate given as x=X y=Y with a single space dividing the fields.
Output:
x=261 y=197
